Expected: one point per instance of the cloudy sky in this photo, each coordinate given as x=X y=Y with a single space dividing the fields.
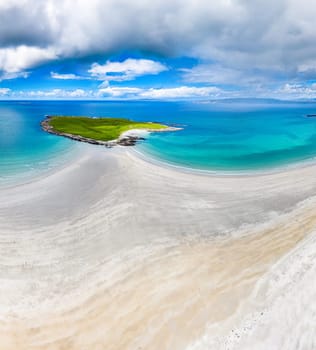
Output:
x=157 y=49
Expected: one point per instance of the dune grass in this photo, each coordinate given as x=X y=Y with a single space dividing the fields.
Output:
x=103 y=129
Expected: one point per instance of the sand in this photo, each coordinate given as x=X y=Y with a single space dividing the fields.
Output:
x=114 y=252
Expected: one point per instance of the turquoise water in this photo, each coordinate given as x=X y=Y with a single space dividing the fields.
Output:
x=228 y=136
x=24 y=148
x=239 y=136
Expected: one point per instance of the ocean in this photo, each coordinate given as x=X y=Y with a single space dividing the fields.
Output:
x=230 y=135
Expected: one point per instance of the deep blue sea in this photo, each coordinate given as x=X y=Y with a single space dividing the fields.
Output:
x=219 y=136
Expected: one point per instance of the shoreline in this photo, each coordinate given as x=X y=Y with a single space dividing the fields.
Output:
x=129 y=246
x=132 y=136
x=224 y=173
x=127 y=138
x=70 y=154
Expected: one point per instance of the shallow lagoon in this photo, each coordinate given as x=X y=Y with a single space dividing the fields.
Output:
x=226 y=136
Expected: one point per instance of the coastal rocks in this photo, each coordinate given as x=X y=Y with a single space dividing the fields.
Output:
x=129 y=138
x=48 y=128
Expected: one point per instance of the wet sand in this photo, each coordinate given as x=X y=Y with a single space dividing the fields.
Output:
x=113 y=252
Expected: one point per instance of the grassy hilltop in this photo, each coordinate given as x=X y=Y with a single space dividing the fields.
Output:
x=103 y=129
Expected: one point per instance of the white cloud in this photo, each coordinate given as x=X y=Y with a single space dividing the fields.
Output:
x=219 y=75
x=119 y=92
x=181 y=92
x=55 y=93
x=55 y=75
x=4 y=91
x=211 y=73
x=17 y=59
x=287 y=91
x=162 y=93
x=116 y=71
x=297 y=91
x=78 y=93
x=126 y=70
x=15 y=75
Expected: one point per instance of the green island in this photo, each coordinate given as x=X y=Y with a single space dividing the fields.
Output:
x=104 y=131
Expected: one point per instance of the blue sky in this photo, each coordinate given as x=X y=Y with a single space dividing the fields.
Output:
x=189 y=49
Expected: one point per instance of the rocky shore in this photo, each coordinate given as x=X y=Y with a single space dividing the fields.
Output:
x=126 y=139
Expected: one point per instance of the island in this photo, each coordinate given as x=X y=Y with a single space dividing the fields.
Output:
x=104 y=131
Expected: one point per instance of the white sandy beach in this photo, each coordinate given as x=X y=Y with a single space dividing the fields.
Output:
x=114 y=252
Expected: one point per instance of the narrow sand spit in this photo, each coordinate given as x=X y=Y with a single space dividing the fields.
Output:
x=113 y=252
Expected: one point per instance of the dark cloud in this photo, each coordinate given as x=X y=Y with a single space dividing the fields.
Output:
x=29 y=25
x=264 y=34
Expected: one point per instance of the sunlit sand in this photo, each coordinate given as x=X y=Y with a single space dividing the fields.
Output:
x=114 y=252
